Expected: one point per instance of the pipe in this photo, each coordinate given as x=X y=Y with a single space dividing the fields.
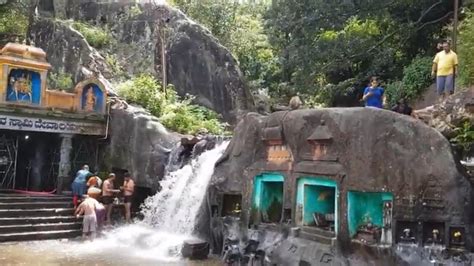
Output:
x=107 y=124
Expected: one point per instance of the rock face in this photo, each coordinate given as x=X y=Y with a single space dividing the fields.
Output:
x=196 y=63
x=451 y=113
x=68 y=51
x=355 y=151
x=140 y=144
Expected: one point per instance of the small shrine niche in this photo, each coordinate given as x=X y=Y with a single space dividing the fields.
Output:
x=433 y=233
x=92 y=96
x=456 y=237
x=407 y=232
x=320 y=141
x=277 y=151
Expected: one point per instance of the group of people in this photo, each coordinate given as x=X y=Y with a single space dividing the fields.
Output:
x=98 y=199
x=444 y=69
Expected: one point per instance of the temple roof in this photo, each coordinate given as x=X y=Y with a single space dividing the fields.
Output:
x=21 y=54
x=321 y=132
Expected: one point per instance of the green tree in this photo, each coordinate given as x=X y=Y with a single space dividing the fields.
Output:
x=328 y=42
x=466 y=50
x=14 y=20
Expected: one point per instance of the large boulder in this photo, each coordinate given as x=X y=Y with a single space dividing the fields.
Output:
x=360 y=149
x=197 y=63
x=139 y=143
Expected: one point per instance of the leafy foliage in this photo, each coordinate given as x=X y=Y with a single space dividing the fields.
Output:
x=416 y=78
x=174 y=113
x=14 y=19
x=95 y=36
x=394 y=92
x=319 y=49
x=114 y=64
x=60 y=81
x=335 y=41
x=466 y=50
x=465 y=136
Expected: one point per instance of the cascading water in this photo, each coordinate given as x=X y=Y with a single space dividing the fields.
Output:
x=169 y=216
x=169 y=219
x=175 y=208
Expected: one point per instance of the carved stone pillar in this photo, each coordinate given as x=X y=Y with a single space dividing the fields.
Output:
x=64 y=161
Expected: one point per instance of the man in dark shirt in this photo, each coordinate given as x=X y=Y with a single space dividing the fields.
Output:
x=402 y=108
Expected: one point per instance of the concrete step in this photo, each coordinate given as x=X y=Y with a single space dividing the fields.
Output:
x=35 y=205
x=38 y=220
x=317 y=238
x=43 y=212
x=12 y=229
x=8 y=199
x=41 y=235
x=318 y=231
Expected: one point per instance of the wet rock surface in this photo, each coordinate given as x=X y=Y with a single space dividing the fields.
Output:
x=140 y=144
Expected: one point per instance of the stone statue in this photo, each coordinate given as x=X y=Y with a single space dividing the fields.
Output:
x=90 y=100
x=387 y=223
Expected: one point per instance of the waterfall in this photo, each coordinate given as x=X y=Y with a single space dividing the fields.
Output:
x=169 y=216
x=175 y=207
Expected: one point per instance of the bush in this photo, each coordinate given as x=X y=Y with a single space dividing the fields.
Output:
x=174 y=113
x=394 y=92
x=95 y=36
x=465 y=136
x=60 y=81
x=466 y=51
x=416 y=78
x=115 y=66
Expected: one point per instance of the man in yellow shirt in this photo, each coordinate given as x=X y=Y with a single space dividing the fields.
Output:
x=445 y=66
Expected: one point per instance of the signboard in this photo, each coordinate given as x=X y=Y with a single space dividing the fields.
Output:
x=51 y=125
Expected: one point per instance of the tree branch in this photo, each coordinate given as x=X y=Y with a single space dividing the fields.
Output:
x=435 y=21
x=428 y=11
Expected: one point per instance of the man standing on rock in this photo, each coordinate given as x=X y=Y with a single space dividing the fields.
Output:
x=444 y=67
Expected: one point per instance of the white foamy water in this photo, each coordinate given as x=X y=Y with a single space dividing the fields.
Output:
x=169 y=216
x=169 y=219
x=174 y=209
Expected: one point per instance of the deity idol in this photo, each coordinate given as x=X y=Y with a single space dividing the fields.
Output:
x=90 y=100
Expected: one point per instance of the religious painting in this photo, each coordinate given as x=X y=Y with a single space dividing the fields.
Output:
x=24 y=86
x=92 y=98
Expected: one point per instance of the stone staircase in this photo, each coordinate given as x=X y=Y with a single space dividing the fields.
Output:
x=25 y=217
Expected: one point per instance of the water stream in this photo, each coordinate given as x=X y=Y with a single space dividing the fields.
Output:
x=169 y=219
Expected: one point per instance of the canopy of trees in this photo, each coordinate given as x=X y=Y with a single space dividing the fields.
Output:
x=327 y=50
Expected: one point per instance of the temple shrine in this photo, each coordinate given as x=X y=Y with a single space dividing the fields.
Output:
x=45 y=134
